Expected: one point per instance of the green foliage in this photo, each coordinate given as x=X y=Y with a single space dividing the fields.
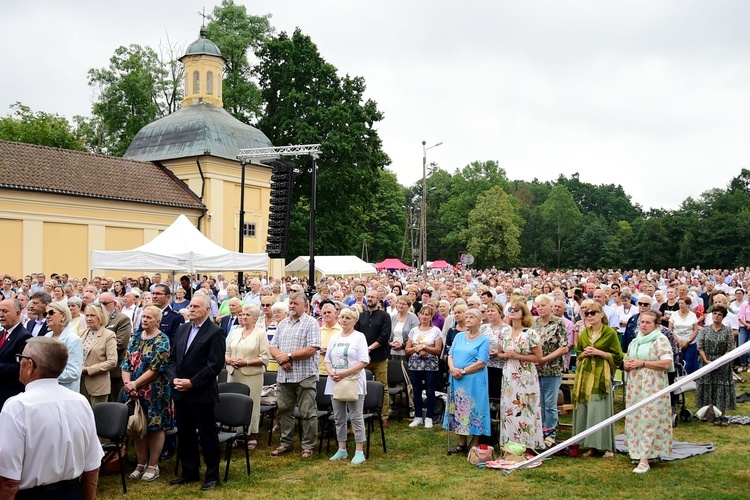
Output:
x=130 y=95
x=493 y=230
x=385 y=223
x=561 y=216
x=43 y=129
x=236 y=34
x=306 y=103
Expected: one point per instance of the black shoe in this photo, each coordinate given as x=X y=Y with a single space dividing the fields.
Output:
x=183 y=480
x=209 y=485
x=166 y=455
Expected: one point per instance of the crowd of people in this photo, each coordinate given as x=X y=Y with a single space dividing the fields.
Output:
x=496 y=343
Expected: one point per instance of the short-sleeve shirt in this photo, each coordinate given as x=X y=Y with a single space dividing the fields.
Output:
x=552 y=336
x=428 y=363
x=290 y=336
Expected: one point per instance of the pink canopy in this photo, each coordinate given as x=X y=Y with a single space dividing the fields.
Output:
x=391 y=264
x=439 y=264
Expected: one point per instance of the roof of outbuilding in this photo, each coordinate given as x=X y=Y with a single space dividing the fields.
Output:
x=30 y=167
x=196 y=130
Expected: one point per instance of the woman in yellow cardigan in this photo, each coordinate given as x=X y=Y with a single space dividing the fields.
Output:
x=246 y=357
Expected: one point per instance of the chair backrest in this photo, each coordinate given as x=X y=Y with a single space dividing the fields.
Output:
x=223 y=375
x=374 y=398
x=269 y=378
x=369 y=375
x=323 y=400
x=233 y=410
x=234 y=388
x=395 y=372
x=111 y=420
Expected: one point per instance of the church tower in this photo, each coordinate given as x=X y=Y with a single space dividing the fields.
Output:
x=204 y=66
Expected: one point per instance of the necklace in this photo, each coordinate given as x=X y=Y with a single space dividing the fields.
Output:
x=471 y=336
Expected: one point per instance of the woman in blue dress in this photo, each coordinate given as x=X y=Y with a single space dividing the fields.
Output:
x=468 y=409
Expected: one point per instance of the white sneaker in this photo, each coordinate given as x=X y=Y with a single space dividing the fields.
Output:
x=416 y=422
x=428 y=423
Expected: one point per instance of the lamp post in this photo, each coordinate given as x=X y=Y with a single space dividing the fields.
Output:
x=423 y=242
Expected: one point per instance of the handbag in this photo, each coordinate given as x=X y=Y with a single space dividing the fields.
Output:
x=346 y=389
x=480 y=454
x=137 y=423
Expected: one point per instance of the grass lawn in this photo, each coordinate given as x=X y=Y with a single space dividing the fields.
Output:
x=416 y=466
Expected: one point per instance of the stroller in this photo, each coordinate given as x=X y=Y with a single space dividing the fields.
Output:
x=684 y=414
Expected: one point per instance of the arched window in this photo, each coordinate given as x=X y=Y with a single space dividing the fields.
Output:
x=196 y=82
x=210 y=82
x=187 y=81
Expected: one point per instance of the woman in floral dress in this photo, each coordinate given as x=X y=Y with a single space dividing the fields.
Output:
x=716 y=339
x=144 y=376
x=521 y=348
x=648 y=431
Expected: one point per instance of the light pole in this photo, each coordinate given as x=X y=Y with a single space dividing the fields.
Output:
x=423 y=242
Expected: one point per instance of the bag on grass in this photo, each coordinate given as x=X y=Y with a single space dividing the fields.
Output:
x=481 y=453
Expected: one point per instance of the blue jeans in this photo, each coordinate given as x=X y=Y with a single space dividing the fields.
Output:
x=743 y=337
x=424 y=380
x=549 y=387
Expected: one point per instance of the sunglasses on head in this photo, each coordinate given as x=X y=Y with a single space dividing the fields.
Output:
x=590 y=313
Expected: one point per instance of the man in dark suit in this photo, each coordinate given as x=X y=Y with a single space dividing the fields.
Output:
x=170 y=320
x=12 y=341
x=37 y=308
x=195 y=360
x=376 y=325
x=231 y=320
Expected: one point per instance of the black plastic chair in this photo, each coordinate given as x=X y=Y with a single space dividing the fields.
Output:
x=269 y=410
x=369 y=375
x=233 y=410
x=112 y=424
x=371 y=412
x=397 y=384
x=233 y=388
x=223 y=375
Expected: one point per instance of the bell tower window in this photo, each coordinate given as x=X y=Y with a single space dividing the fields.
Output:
x=196 y=82
x=210 y=82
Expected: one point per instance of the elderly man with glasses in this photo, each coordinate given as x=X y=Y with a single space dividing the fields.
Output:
x=120 y=324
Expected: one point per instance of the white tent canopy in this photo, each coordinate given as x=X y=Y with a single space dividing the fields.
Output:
x=181 y=247
x=332 y=265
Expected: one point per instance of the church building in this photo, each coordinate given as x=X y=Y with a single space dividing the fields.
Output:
x=58 y=205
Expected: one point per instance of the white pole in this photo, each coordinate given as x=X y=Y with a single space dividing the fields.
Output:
x=727 y=358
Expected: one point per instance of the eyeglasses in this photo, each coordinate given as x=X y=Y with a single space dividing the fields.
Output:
x=643 y=304
x=590 y=313
x=19 y=357
x=50 y=313
x=110 y=302
x=514 y=309
x=266 y=305
x=157 y=293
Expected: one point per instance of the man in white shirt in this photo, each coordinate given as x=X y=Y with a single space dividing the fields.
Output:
x=48 y=464
x=130 y=308
x=612 y=317
x=253 y=296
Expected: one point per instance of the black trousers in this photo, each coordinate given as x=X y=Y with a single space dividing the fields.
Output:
x=192 y=416
x=63 y=490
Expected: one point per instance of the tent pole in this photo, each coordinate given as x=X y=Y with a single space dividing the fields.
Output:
x=241 y=245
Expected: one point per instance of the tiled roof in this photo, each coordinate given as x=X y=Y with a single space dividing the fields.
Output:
x=62 y=171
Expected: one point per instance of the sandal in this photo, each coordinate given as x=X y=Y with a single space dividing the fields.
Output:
x=461 y=448
x=137 y=473
x=642 y=468
x=150 y=476
x=281 y=450
x=252 y=444
x=608 y=454
x=307 y=453
x=591 y=452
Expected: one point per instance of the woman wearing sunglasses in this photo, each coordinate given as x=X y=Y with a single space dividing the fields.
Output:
x=599 y=355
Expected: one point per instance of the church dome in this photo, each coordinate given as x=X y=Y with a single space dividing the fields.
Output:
x=197 y=130
x=202 y=46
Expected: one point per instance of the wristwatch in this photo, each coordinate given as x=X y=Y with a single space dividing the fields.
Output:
x=290 y=356
x=463 y=371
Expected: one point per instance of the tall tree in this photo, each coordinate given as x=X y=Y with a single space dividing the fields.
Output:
x=494 y=228
x=561 y=215
x=236 y=34
x=386 y=221
x=43 y=129
x=307 y=103
x=130 y=95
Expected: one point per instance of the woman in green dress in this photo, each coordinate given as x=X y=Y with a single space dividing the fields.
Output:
x=599 y=355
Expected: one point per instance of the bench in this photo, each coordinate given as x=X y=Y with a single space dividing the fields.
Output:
x=568 y=379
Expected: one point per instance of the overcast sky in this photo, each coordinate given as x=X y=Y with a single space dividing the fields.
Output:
x=653 y=95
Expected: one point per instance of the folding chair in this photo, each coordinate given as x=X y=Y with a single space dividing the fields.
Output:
x=112 y=424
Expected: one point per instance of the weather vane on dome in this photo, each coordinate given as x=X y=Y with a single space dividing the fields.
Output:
x=203 y=15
